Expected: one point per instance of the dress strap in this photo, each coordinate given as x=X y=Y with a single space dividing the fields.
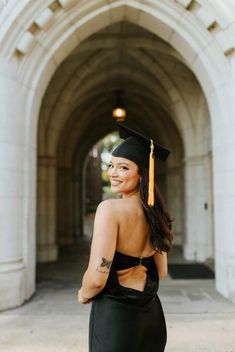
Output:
x=125 y=261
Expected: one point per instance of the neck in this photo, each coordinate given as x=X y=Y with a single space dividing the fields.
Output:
x=131 y=194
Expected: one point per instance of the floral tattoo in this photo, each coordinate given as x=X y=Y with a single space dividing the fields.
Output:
x=104 y=266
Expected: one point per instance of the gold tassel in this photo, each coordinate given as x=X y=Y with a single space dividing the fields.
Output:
x=151 y=176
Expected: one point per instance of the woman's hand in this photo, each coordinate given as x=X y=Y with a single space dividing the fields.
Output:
x=82 y=299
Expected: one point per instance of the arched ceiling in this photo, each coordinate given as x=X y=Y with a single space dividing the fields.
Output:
x=76 y=109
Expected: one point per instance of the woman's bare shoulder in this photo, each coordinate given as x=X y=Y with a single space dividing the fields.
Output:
x=107 y=203
x=112 y=206
x=106 y=214
x=109 y=206
x=116 y=207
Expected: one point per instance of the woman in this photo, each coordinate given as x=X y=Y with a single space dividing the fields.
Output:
x=128 y=254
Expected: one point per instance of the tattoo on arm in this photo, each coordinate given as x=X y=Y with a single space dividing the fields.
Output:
x=104 y=266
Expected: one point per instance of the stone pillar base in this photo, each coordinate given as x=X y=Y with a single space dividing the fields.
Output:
x=47 y=253
x=225 y=277
x=196 y=252
x=12 y=284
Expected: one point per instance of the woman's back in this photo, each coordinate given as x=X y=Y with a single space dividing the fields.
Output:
x=134 y=240
x=133 y=234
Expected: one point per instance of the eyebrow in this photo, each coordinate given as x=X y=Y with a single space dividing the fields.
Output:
x=120 y=163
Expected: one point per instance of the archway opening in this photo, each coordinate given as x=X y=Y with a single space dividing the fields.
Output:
x=163 y=99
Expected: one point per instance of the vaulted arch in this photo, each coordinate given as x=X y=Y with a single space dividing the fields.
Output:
x=186 y=66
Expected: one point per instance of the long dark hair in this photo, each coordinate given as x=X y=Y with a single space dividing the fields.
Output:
x=159 y=220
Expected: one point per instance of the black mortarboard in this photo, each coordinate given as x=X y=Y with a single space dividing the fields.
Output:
x=136 y=147
x=141 y=150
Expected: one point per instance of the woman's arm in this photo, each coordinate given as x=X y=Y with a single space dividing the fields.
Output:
x=102 y=251
x=161 y=263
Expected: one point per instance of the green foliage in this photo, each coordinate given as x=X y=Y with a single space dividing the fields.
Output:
x=108 y=144
x=110 y=141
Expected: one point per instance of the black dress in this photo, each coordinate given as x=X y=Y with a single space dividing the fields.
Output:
x=124 y=319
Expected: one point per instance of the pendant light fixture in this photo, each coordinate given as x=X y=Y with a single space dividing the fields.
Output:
x=119 y=111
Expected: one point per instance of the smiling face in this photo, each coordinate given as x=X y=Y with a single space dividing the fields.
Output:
x=124 y=176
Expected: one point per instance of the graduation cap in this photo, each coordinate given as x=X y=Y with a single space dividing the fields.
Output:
x=142 y=151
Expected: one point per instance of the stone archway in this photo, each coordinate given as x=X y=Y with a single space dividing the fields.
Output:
x=33 y=47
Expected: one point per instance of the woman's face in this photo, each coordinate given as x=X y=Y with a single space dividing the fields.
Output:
x=124 y=176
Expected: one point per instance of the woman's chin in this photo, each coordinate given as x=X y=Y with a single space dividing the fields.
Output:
x=115 y=189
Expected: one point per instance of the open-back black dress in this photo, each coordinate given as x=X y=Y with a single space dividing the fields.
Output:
x=124 y=319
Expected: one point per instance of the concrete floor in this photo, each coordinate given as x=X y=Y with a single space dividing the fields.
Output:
x=198 y=318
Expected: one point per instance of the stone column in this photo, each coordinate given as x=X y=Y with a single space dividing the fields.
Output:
x=209 y=205
x=65 y=206
x=47 y=249
x=174 y=196
x=12 y=214
x=77 y=209
x=224 y=209
x=197 y=244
